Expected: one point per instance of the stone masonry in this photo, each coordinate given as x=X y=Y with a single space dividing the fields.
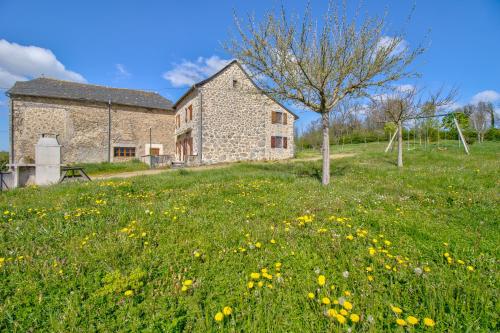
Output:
x=82 y=128
x=232 y=120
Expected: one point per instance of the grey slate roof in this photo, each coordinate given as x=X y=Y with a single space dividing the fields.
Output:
x=45 y=87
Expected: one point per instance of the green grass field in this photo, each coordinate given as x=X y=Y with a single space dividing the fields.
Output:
x=94 y=169
x=377 y=249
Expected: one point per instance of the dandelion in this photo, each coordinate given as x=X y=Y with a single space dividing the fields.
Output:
x=258 y=245
x=461 y=262
x=250 y=285
x=446 y=254
x=401 y=322
x=347 y=293
x=273 y=241
x=341 y=319
x=343 y=312
x=227 y=311
x=321 y=280
x=470 y=268
x=260 y=284
x=427 y=269
x=387 y=243
x=370 y=278
x=396 y=310
x=184 y=288
x=310 y=296
x=347 y=305
x=349 y=237
x=129 y=293
x=354 y=318
x=429 y=322
x=255 y=276
x=331 y=313
x=219 y=316
x=412 y=320
x=187 y=283
x=325 y=300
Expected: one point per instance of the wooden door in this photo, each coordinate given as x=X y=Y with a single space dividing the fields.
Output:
x=154 y=151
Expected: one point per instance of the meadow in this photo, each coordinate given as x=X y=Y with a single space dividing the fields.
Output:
x=261 y=247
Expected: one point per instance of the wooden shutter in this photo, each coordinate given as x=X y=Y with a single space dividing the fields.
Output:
x=273 y=142
x=285 y=142
x=284 y=118
x=273 y=117
x=190 y=108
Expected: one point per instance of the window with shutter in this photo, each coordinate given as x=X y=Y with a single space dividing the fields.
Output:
x=285 y=142
x=190 y=108
x=285 y=118
x=273 y=117
x=273 y=142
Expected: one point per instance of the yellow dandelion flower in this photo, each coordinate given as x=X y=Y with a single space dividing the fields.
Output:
x=350 y=237
x=310 y=296
x=255 y=276
x=446 y=254
x=395 y=309
x=258 y=245
x=129 y=293
x=260 y=284
x=388 y=243
x=427 y=269
x=321 y=280
x=331 y=313
x=347 y=305
x=354 y=318
x=227 y=311
x=184 y=288
x=347 y=293
x=343 y=312
x=273 y=241
x=429 y=322
x=470 y=268
x=325 y=300
x=400 y=322
x=219 y=316
x=250 y=285
x=412 y=320
x=370 y=278
x=341 y=319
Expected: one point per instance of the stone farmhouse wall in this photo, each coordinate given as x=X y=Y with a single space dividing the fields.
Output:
x=236 y=121
x=82 y=128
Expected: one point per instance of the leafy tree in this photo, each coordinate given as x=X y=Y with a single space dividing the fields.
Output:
x=318 y=65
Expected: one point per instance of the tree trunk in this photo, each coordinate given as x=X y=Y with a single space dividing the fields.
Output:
x=326 y=148
x=400 y=144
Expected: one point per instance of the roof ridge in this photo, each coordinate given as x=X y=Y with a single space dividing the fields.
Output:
x=89 y=84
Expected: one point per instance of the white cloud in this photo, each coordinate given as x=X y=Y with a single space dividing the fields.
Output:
x=189 y=72
x=387 y=41
x=121 y=71
x=405 y=88
x=19 y=63
x=486 y=96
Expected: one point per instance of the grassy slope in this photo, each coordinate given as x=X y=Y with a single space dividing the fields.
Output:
x=102 y=168
x=81 y=252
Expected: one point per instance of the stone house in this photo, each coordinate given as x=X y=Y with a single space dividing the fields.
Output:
x=224 y=118
x=93 y=123
x=228 y=118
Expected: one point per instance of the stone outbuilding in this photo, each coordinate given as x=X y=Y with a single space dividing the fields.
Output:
x=228 y=118
x=92 y=123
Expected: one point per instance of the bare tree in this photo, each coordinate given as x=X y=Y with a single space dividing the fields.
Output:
x=481 y=119
x=405 y=104
x=317 y=65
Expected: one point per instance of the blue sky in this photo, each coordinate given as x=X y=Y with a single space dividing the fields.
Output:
x=133 y=44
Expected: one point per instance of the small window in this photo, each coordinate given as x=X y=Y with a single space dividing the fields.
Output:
x=279 y=142
x=124 y=151
x=235 y=83
x=278 y=117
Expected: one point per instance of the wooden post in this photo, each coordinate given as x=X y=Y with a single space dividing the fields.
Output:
x=461 y=136
x=391 y=141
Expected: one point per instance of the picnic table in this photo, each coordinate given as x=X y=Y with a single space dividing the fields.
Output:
x=73 y=173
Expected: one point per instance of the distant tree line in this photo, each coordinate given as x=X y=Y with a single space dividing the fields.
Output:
x=354 y=123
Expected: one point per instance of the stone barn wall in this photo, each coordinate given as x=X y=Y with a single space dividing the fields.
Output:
x=82 y=128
